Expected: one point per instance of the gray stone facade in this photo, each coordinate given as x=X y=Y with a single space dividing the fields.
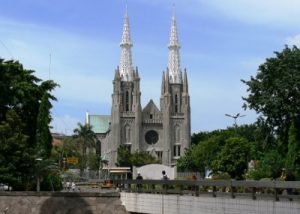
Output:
x=165 y=131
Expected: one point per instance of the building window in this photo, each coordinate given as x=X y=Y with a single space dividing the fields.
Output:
x=127 y=134
x=127 y=101
x=176 y=103
x=176 y=150
x=151 y=137
x=151 y=116
x=159 y=155
x=177 y=134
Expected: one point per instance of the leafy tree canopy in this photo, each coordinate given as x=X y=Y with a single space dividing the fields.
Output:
x=21 y=116
x=274 y=92
x=233 y=157
x=126 y=158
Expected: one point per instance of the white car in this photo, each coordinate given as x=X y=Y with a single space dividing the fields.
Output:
x=4 y=187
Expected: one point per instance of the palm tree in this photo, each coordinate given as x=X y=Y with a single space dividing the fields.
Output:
x=86 y=138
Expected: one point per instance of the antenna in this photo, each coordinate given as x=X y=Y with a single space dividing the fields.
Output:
x=126 y=8
x=8 y=51
x=49 y=65
x=174 y=9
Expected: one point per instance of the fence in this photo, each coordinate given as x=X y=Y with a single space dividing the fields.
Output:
x=232 y=188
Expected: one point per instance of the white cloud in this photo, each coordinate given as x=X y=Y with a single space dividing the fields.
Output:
x=274 y=12
x=294 y=40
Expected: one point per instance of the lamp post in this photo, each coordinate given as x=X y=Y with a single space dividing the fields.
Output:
x=38 y=160
x=235 y=117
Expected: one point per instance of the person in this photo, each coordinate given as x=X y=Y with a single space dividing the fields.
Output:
x=139 y=177
x=73 y=186
x=194 y=177
x=68 y=186
x=164 y=174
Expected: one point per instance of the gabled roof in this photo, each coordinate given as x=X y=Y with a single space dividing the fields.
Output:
x=151 y=106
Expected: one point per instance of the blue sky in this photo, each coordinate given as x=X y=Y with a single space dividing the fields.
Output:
x=221 y=43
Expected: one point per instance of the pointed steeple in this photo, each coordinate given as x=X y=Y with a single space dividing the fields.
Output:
x=174 y=59
x=185 y=83
x=163 y=84
x=167 y=82
x=126 y=68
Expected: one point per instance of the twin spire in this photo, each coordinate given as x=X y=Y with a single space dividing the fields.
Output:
x=126 y=68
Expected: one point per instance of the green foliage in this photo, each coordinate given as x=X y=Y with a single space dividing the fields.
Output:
x=269 y=166
x=43 y=134
x=20 y=106
x=15 y=156
x=68 y=148
x=186 y=162
x=52 y=182
x=126 y=158
x=86 y=138
x=274 y=92
x=233 y=157
x=142 y=158
x=293 y=156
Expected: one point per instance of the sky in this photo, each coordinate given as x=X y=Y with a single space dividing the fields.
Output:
x=76 y=44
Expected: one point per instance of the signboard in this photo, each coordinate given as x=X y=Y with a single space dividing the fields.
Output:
x=72 y=160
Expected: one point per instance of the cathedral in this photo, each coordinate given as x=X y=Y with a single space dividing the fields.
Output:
x=162 y=131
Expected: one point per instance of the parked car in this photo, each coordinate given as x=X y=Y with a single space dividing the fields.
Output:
x=5 y=187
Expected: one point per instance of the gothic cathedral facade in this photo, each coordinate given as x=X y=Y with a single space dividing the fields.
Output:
x=164 y=132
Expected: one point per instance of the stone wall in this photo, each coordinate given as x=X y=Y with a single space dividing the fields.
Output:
x=60 y=203
x=205 y=204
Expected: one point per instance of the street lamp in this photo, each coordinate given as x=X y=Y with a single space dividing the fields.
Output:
x=235 y=117
x=38 y=160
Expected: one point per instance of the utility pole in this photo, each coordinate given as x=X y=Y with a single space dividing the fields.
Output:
x=235 y=117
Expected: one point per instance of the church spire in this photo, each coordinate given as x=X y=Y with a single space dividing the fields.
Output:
x=126 y=68
x=174 y=60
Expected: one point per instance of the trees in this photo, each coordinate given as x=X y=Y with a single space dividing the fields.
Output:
x=274 y=92
x=16 y=157
x=86 y=139
x=20 y=101
x=43 y=134
x=293 y=155
x=233 y=157
x=126 y=158
x=268 y=166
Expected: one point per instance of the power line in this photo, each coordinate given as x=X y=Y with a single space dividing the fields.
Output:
x=49 y=66
x=6 y=48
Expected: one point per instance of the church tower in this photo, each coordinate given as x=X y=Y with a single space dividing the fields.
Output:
x=164 y=132
x=126 y=101
x=175 y=103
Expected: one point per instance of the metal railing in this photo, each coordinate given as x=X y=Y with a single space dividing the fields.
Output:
x=253 y=189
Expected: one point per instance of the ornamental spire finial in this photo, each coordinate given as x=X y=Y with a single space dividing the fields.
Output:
x=126 y=68
x=174 y=60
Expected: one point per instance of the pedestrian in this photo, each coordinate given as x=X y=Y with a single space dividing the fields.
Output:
x=73 y=186
x=164 y=174
x=194 y=177
x=139 y=177
x=68 y=186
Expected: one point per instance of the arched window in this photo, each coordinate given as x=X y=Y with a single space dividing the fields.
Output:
x=177 y=134
x=127 y=101
x=127 y=134
x=176 y=103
